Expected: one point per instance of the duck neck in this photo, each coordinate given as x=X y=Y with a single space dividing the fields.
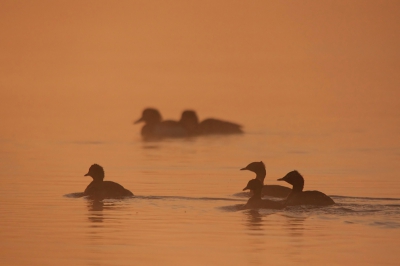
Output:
x=256 y=194
x=98 y=179
x=298 y=188
x=261 y=176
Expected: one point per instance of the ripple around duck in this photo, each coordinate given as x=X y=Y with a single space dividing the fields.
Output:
x=363 y=198
x=74 y=195
x=379 y=212
x=81 y=194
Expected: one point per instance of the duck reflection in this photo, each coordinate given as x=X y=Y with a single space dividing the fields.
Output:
x=254 y=220
x=263 y=227
x=294 y=225
x=95 y=208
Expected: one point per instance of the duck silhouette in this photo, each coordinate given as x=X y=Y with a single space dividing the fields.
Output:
x=100 y=189
x=190 y=121
x=155 y=127
x=267 y=190
x=300 y=197
x=255 y=202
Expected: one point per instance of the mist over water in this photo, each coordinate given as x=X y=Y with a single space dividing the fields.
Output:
x=314 y=93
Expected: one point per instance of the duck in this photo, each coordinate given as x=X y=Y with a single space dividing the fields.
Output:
x=190 y=121
x=255 y=202
x=100 y=189
x=268 y=190
x=155 y=127
x=300 y=197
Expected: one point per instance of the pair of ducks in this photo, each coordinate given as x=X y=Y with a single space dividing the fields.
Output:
x=100 y=189
x=188 y=125
x=293 y=197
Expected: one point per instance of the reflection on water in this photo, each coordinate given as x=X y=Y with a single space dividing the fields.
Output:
x=95 y=211
x=295 y=227
x=254 y=220
x=189 y=203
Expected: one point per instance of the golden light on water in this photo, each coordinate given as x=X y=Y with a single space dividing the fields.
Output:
x=315 y=84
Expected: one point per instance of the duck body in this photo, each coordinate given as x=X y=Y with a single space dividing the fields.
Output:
x=156 y=128
x=309 y=197
x=106 y=189
x=300 y=197
x=216 y=126
x=256 y=202
x=267 y=190
x=276 y=191
x=101 y=189
x=190 y=121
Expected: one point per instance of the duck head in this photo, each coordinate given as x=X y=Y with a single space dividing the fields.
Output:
x=189 y=120
x=258 y=168
x=96 y=172
x=189 y=116
x=254 y=185
x=295 y=179
x=150 y=116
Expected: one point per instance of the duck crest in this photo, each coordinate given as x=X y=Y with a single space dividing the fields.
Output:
x=96 y=172
x=258 y=168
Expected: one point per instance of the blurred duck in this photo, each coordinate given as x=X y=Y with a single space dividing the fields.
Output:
x=267 y=190
x=156 y=128
x=300 y=197
x=255 y=202
x=100 y=189
x=190 y=122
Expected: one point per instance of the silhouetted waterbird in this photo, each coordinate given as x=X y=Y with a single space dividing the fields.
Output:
x=255 y=201
x=155 y=127
x=267 y=190
x=190 y=121
x=100 y=189
x=300 y=197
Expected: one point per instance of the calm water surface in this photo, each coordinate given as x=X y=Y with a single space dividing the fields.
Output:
x=315 y=84
x=186 y=209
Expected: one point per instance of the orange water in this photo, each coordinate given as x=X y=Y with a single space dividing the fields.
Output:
x=315 y=85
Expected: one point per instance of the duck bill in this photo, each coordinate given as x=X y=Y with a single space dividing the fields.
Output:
x=87 y=174
x=281 y=179
x=244 y=168
x=139 y=120
x=246 y=188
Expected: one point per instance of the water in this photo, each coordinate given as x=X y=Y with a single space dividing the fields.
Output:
x=187 y=206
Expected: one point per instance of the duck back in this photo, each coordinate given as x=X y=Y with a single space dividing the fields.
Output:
x=106 y=189
x=276 y=191
x=311 y=197
x=215 y=126
x=254 y=203
x=168 y=128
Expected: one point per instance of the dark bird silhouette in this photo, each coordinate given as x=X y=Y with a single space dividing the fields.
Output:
x=100 y=189
x=155 y=127
x=255 y=202
x=267 y=190
x=190 y=122
x=300 y=197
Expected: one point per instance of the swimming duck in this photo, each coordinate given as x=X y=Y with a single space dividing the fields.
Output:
x=156 y=128
x=190 y=122
x=100 y=189
x=300 y=197
x=267 y=190
x=255 y=202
